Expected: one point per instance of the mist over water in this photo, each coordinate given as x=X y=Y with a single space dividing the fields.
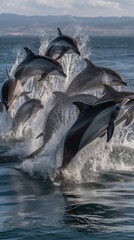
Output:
x=96 y=199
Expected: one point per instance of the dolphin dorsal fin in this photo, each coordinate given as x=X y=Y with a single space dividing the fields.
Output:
x=109 y=91
x=27 y=98
x=28 y=52
x=8 y=74
x=60 y=95
x=89 y=63
x=81 y=106
x=59 y=32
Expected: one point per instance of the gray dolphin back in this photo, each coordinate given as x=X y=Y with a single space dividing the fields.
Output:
x=93 y=77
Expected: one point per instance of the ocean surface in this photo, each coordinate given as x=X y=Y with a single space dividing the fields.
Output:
x=97 y=201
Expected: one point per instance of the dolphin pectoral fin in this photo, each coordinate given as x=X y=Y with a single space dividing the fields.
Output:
x=34 y=153
x=40 y=135
x=81 y=106
x=110 y=91
x=59 y=32
x=61 y=54
x=129 y=119
x=43 y=76
x=110 y=130
x=28 y=52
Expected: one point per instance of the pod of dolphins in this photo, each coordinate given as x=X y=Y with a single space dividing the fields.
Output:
x=95 y=116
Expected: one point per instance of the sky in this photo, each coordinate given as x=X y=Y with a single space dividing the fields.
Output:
x=84 y=8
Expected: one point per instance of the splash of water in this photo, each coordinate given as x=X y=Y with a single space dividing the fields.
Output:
x=93 y=159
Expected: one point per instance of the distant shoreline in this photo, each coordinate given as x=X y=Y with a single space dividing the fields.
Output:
x=19 y=25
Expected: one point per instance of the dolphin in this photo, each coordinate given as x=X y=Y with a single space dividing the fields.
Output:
x=111 y=94
x=61 y=45
x=92 y=122
x=93 y=77
x=36 y=65
x=58 y=115
x=124 y=97
x=25 y=111
x=10 y=91
x=126 y=114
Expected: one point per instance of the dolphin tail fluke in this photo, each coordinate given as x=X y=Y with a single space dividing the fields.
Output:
x=59 y=32
x=110 y=130
x=32 y=155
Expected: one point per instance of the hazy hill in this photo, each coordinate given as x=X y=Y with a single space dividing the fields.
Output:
x=11 y=24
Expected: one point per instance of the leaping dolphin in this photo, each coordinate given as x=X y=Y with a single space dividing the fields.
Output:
x=93 y=77
x=36 y=65
x=124 y=97
x=58 y=115
x=10 y=91
x=92 y=122
x=61 y=45
x=25 y=111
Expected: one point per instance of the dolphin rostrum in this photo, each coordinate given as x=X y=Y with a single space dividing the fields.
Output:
x=10 y=91
x=92 y=122
x=61 y=45
x=25 y=111
x=36 y=65
x=93 y=77
x=58 y=115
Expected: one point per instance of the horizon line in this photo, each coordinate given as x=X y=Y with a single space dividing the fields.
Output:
x=66 y=15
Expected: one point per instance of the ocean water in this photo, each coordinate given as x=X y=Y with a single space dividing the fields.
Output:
x=97 y=199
